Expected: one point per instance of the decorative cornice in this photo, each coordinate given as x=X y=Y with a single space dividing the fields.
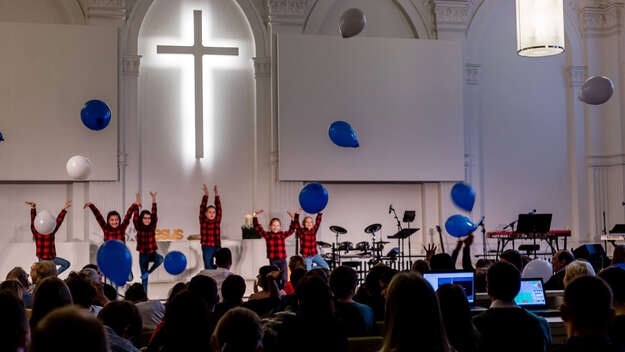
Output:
x=130 y=65
x=292 y=12
x=106 y=9
x=601 y=20
x=454 y=15
x=576 y=75
x=262 y=67
x=472 y=72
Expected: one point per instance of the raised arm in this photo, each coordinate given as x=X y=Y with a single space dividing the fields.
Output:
x=134 y=208
x=33 y=215
x=204 y=203
x=295 y=219
x=317 y=222
x=154 y=215
x=97 y=214
x=258 y=227
x=467 y=265
x=291 y=229
x=217 y=206
x=61 y=216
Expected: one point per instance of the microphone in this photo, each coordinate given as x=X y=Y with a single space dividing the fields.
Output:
x=390 y=208
x=532 y=212
x=481 y=221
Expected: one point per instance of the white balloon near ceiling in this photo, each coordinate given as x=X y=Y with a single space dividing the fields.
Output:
x=596 y=90
x=78 y=167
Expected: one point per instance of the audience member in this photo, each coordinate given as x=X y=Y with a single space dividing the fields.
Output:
x=187 y=324
x=232 y=292
x=513 y=257
x=560 y=260
x=41 y=270
x=289 y=302
x=577 y=268
x=420 y=266
x=238 y=331
x=50 y=294
x=122 y=323
x=357 y=318
x=442 y=263
x=13 y=287
x=83 y=291
x=19 y=274
x=615 y=278
x=152 y=312
x=101 y=299
x=456 y=314
x=14 y=329
x=481 y=268
x=69 y=329
x=506 y=326
x=409 y=296
x=264 y=302
x=223 y=261
x=587 y=311
x=372 y=292
x=206 y=288
x=295 y=262
x=618 y=256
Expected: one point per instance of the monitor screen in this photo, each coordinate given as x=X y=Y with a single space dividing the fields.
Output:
x=531 y=293
x=462 y=279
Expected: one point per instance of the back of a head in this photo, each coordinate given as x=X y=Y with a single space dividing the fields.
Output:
x=314 y=298
x=233 y=289
x=576 y=269
x=321 y=273
x=223 y=258
x=50 y=294
x=13 y=287
x=296 y=261
x=343 y=281
x=239 y=330
x=377 y=274
x=297 y=275
x=43 y=270
x=69 y=329
x=513 y=257
x=14 y=329
x=82 y=288
x=503 y=281
x=123 y=317
x=618 y=256
x=420 y=266
x=136 y=293
x=187 y=321
x=18 y=274
x=205 y=287
x=565 y=256
x=588 y=305
x=263 y=271
x=441 y=263
x=409 y=296
x=456 y=313
x=176 y=289
x=615 y=278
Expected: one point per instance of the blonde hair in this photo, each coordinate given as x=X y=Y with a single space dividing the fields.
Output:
x=576 y=269
x=43 y=270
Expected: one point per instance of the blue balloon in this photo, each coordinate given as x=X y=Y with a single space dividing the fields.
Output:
x=115 y=261
x=343 y=135
x=1 y=137
x=95 y=114
x=175 y=262
x=313 y=198
x=459 y=225
x=463 y=196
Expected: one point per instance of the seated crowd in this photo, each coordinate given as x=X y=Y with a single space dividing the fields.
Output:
x=317 y=310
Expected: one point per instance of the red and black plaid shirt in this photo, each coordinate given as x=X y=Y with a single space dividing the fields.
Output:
x=210 y=229
x=110 y=233
x=275 y=240
x=308 y=238
x=146 y=235
x=46 y=248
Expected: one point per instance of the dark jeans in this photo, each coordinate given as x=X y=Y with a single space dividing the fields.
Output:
x=144 y=264
x=281 y=264
x=208 y=253
x=62 y=263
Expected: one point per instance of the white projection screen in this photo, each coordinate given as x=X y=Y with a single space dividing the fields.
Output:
x=402 y=96
x=47 y=73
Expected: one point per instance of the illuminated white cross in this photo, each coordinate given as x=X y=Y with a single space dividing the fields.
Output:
x=198 y=51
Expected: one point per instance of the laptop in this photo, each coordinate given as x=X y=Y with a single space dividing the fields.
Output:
x=532 y=297
x=462 y=279
x=533 y=223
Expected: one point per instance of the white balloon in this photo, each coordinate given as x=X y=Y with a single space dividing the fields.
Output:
x=538 y=268
x=596 y=90
x=352 y=22
x=78 y=167
x=45 y=222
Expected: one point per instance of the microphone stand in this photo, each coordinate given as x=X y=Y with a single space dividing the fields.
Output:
x=481 y=224
x=401 y=249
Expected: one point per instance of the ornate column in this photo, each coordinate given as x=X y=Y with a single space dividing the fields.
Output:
x=105 y=11
x=453 y=17
x=263 y=157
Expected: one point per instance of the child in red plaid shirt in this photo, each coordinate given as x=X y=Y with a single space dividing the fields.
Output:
x=145 y=224
x=210 y=228
x=307 y=234
x=46 y=247
x=276 y=250
x=112 y=229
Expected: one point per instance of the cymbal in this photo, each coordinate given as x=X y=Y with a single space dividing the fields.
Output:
x=324 y=244
x=381 y=242
x=373 y=228
x=338 y=230
x=365 y=255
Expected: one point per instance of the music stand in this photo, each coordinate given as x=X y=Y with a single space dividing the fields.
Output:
x=618 y=228
x=400 y=236
x=409 y=216
x=533 y=223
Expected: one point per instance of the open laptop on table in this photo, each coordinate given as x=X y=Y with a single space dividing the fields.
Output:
x=532 y=297
x=464 y=279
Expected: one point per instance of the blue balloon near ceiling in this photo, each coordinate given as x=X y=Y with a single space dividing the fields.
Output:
x=95 y=114
x=343 y=135
x=463 y=196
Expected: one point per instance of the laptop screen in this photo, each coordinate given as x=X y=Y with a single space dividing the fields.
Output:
x=532 y=293
x=462 y=279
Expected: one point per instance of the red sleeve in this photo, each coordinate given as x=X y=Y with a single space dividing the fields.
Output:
x=135 y=219
x=218 y=209
x=297 y=225
x=59 y=221
x=133 y=208
x=33 y=215
x=291 y=229
x=317 y=223
x=203 y=208
x=98 y=216
x=259 y=228
x=154 y=216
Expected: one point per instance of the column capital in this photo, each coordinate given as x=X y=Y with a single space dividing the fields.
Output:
x=262 y=67
x=472 y=72
x=576 y=75
x=131 y=64
x=289 y=12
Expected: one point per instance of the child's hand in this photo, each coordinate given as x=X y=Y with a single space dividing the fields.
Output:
x=67 y=205
x=291 y=215
x=215 y=190
x=429 y=251
x=153 y=195
x=32 y=204
x=88 y=204
x=138 y=202
x=469 y=240
x=205 y=189
x=258 y=212
x=299 y=211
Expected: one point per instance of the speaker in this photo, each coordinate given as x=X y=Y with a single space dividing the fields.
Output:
x=593 y=253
